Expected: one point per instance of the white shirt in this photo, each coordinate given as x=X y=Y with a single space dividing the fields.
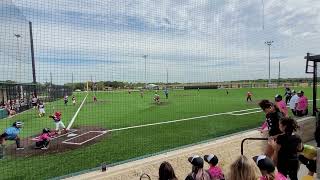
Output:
x=293 y=101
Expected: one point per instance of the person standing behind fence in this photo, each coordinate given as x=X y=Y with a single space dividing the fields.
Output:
x=286 y=148
x=293 y=101
x=166 y=172
x=302 y=104
x=34 y=101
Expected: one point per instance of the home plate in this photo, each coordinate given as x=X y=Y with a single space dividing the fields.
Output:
x=72 y=135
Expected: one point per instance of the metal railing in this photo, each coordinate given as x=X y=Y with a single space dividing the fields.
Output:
x=254 y=139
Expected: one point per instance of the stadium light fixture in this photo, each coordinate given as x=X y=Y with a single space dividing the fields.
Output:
x=269 y=43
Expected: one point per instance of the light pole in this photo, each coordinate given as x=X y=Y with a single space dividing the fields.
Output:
x=145 y=69
x=269 y=43
x=279 y=73
x=18 y=46
x=18 y=58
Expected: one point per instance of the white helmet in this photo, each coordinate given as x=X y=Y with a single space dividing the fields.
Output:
x=18 y=124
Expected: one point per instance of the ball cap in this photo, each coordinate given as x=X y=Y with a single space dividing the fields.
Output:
x=211 y=158
x=196 y=161
x=264 y=163
x=278 y=96
x=300 y=92
x=57 y=114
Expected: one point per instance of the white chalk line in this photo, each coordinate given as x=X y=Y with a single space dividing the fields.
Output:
x=76 y=114
x=187 y=119
x=179 y=120
x=101 y=133
x=71 y=131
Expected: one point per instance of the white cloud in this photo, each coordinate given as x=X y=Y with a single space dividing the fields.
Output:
x=196 y=40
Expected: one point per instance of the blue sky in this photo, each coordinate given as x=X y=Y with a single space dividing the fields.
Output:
x=196 y=40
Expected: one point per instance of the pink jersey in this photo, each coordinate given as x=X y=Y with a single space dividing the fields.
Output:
x=215 y=172
x=283 y=107
x=44 y=136
x=302 y=103
x=279 y=176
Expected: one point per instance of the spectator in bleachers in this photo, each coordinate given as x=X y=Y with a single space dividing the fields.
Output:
x=34 y=101
x=267 y=168
x=198 y=173
x=308 y=157
x=244 y=169
x=286 y=148
x=281 y=105
x=214 y=171
x=302 y=104
x=293 y=101
x=273 y=116
x=166 y=172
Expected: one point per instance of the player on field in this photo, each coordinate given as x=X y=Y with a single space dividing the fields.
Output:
x=141 y=93
x=41 y=108
x=166 y=92
x=95 y=98
x=12 y=133
x=58 y=122
x=249 y=95
x=65 y=98
x=42 y=141
x=156 y=98
x=73 y=100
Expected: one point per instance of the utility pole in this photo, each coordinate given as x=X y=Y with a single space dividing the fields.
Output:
x=32 y=54
x=18 y=56
x=269 y=43
x=72 y=82
x=145 y=69
x=50 y=79
x=279 y=73
x=167 y=77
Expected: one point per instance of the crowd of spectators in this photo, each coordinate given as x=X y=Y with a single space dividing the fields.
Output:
x=15 y=106
x=283 y=153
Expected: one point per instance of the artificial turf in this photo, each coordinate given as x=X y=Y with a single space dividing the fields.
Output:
x=120 y=109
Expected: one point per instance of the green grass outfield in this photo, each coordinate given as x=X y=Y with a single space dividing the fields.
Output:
x=119 y=109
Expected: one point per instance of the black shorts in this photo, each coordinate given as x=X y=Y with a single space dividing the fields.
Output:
x=34 y=104
x=310 y=164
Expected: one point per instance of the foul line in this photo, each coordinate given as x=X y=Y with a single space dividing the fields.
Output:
x=178 y=120
x=187 y=119
x=76 y=114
